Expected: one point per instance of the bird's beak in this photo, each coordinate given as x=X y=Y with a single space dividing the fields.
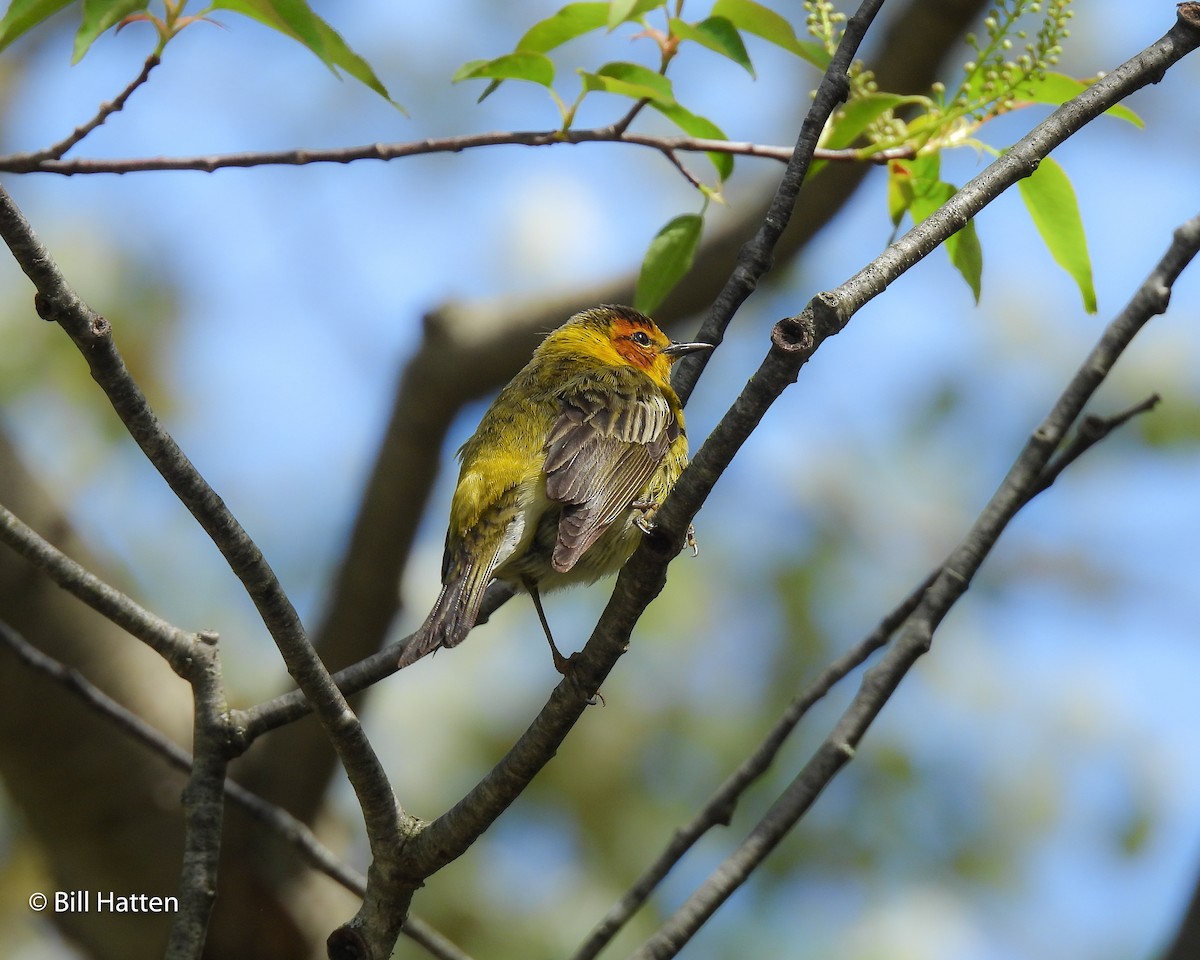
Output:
x=676 y=350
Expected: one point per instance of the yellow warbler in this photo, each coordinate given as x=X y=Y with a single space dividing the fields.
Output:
x=565 y=470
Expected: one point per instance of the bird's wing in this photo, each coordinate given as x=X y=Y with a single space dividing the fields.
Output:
x=600 y=455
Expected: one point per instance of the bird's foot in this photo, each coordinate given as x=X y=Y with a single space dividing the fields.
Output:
x=644 y=522
x=563 y=664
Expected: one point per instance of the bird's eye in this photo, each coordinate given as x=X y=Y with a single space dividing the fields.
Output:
x=641 y=339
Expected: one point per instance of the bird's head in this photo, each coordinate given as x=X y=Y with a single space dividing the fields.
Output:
x=621 y=336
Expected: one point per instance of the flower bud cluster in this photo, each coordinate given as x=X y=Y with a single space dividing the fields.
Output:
x=993 y=78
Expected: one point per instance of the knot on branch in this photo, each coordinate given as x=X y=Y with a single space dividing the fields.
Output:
x=346 y=943
x=839 y=86
x=829 y=316
x=1189 y=15
x=99 y=327
x=794 y=335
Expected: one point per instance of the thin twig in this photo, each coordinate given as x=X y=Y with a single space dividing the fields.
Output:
x=1091 y=431
x=254 y=721
x=33 y=163
x=57 y=150
x=757 y=255
x=173 y=644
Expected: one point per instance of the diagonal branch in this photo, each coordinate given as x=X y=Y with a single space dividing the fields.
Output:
x=174 y=645
x=1024 y=480
x=796 y=339
x=451 y=834
x=386 y=825
x=54 y=152
x=718 y=809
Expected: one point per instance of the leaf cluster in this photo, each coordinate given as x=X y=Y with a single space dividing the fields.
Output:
x=293 y=18
x=994 y=83
x=908 y=132
x=673 y=248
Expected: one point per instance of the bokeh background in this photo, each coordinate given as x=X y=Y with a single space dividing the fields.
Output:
x=1033 y=789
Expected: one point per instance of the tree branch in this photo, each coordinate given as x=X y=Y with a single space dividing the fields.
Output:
x=757 y=256
x=48 y=160
x=719 y=808
x=796 y=339
x=30 y=162
x=386 y=825
x=203 y=807
x=172 y=644
x=296 y=834
x=1023 y=481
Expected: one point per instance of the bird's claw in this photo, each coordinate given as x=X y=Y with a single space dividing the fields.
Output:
x=644 y=523
x=563 y=664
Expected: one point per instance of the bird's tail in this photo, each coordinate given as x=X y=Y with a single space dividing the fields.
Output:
x=453 y=615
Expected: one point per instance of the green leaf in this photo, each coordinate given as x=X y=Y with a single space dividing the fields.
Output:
x=522 y=65
x=1051 y=202
x=619 y=11
x=98 y=16
x=573 y=20
x=295 y=19
x=756 y=19
x=928 y=194
x=667 y=260
x=1057 y=89
x=966 y=254
x=899 y=192
x=718 y=34
x=907 y=179
x=23 y=15
x=630 y=80
x=850 y=120
x=697 y=126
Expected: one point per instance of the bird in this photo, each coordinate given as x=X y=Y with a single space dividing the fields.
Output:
x=565 y=471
